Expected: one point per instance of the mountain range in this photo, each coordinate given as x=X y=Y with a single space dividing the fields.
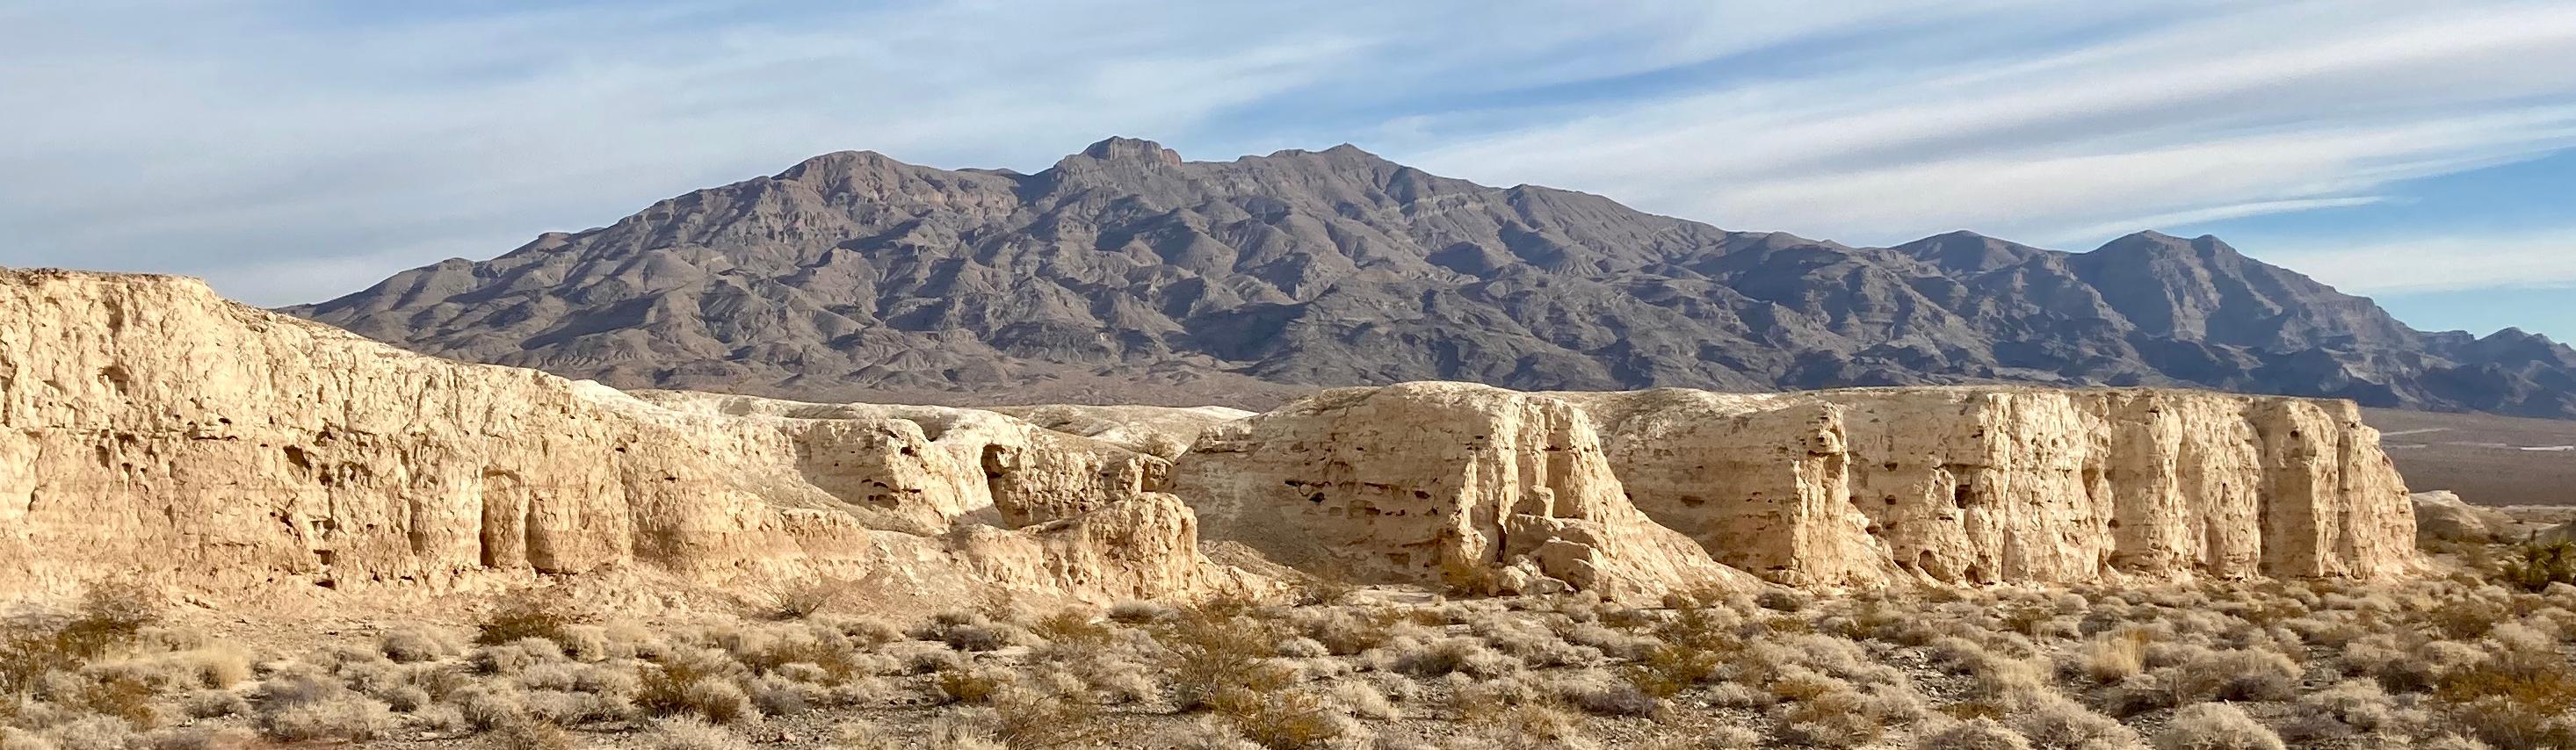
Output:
x=1126 y=274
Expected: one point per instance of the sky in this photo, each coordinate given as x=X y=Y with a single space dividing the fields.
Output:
x=2423 y=154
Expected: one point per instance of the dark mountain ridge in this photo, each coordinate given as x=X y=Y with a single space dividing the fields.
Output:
x=1124 y=273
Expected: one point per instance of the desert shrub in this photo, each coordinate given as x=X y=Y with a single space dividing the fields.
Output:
x=2534 y=566
x=211 y=703
x=1836 y=719
x=334 y=715
x=802 y=599
x=1467 y=655
x=695 y=681
x=1027 y=719
x=2237 y=676
x=2357 y=704
x=1138 y=612
x=413 y=644
x=2052 y=721
x=971 y=685
x=1601 y=694
x=1363 y=700
x=123 y=696
x=966 y=631
x=529 y=735
x=2514 y=699
x=689 y=733
x=1074 y=626
x=2215 y=726
x=1972 y=734
x=1531 y=726
x=2112 y=657
x=528 y=614
x=92 y=732
x=1209 y=653
x=111 y=615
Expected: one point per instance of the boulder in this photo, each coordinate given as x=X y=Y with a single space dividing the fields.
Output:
x=2441 y=516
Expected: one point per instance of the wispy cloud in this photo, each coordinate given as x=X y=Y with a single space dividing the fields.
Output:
x=2526 y=259
x=292 y=149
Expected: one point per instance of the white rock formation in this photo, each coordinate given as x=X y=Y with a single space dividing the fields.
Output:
x=148 y=427
x=2011 y=484
x=1451 y=484
x=2441 y=516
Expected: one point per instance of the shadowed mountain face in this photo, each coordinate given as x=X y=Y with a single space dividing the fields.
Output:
x=1126 y=274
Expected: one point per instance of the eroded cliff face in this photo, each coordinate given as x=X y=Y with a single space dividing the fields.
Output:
x=2006 y=484
x=1453 y=484
x=148 y=427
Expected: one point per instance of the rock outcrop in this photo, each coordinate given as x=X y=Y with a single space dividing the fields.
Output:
x=1448 y=484
x=2012 y=484
x=2441 y=516
x=1429 y=482
x=149 y=428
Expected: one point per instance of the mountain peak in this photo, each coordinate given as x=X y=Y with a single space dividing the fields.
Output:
x=1124 y=268
x=1121 y=148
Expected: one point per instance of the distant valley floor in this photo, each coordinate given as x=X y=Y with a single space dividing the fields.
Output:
x=2489 y=460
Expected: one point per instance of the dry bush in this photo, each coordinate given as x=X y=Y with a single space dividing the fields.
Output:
x=528 y=735
x=1027 y=719
x=528 y=614
x=2236 y=676
x=2534 y=566
x=687 y=733
x=1209 y=652
x=411 y=644
x=803 y=599
x=1600 y=693
x=2052 y=721
x=1834 y=719
x=308 y=707
x=971 y=685
x=1533 y=725
x=1972 y=734
x=1462 y=655
x=2215 y=726
x=111 y=615
x=703 y=682
x=2112 y=657
x=2516 y=698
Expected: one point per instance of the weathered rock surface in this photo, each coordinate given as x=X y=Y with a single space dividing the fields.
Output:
x=1997 y=484
x=2441 y=516
x=148 y=427
x=1426 y=481
x=1455 y=484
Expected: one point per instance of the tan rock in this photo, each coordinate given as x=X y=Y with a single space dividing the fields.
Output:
x=149 y=427
x=1436 y=483
x=2006 y=484
x=2441 y=516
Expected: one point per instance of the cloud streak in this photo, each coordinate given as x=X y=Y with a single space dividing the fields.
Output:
x=292 y=149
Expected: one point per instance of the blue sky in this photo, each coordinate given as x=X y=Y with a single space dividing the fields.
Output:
x=2416 y=152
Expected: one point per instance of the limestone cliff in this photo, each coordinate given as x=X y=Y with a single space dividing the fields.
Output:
x=2012 y=484
x=1438 y=483
x=148 y=427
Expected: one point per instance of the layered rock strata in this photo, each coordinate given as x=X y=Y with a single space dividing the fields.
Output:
x=2012 y=484
x=149 y=428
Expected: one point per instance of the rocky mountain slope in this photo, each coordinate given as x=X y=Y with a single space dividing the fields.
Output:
x=151 y=429
x=1125 y=274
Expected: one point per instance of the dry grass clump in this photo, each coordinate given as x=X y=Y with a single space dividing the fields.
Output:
x=687 y=733
x=2216 y=726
